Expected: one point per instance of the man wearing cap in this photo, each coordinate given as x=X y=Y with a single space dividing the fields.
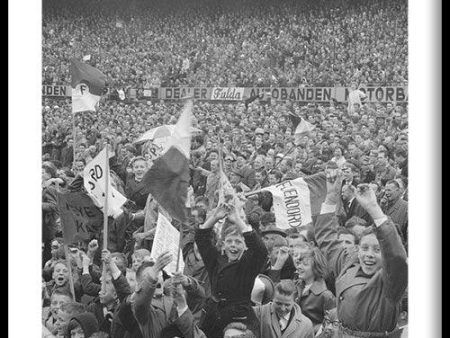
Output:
x=280 y=264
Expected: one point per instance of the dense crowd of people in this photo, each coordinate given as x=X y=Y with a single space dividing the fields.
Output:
x=342 y=275
x=229 y=43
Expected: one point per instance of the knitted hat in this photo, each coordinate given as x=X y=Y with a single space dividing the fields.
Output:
x=86 y=320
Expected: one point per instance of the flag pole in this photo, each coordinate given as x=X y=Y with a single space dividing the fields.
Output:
x=74 y=134
x=105 y=211
x=105 y=208
x=179 y=247
x=69 y=267
x=267 y=173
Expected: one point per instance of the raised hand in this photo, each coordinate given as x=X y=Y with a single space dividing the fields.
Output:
x=334 y=185
x=282 y=257
x=179 y=295
x=221 y=211
x=179 y=278
x=162 y=261
x=92 y=248
x=368 y=200
x=106 y=256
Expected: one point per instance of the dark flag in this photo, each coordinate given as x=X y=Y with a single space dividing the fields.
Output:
x=168 y=178
x=295 y=119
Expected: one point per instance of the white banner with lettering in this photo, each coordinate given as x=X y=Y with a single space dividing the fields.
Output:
x=227 y=93
x=291 y=203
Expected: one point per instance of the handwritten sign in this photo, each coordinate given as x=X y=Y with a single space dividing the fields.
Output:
x=94 y=182
x=79 y=216
x=167 y=238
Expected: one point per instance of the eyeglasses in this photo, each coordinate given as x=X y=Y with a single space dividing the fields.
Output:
x=336 y=324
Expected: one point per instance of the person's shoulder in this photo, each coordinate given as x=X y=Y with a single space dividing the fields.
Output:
x=301 y=317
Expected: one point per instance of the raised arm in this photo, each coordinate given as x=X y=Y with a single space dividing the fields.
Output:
x=185 y=320
x=326 y=225
x=394 y=259
x=146 y=288
x=118 y=279
x=204 y=236
x=89 y=287
x=256 y=254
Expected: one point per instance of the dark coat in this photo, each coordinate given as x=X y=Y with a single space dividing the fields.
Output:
x=315 y=301
x=135 y=191
x=365 y=303
x=248 y=176
x=355 y=209
x=398 y=212
x=155 y=315
x=288 y=271
x=231 y=282
x=198 y=182
x=195 y=268
x=113 y=325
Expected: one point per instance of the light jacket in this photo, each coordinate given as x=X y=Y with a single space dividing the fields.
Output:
x=365 y=303
x=299 y=326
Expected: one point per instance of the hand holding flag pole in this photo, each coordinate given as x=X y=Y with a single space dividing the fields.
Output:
x=268 y=172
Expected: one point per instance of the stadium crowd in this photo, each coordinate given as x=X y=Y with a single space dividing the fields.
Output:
x=343 y=275
x=229 y=43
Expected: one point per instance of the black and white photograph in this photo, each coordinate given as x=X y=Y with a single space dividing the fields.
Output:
x=225 y=168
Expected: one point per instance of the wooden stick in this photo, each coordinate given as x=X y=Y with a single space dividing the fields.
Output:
x=69 y=266
x=74 y=135
x=105 y=215
x=105 y=207
x=179 y=246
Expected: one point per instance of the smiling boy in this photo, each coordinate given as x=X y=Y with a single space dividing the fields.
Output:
x=232 y=274
x=370 y=284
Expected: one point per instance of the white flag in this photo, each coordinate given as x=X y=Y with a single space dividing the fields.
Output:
x=291 y=203
x=94 y=182
x=167 y=238
x=87 y=57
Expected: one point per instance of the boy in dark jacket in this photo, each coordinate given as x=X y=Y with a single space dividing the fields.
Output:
x=232 y=274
